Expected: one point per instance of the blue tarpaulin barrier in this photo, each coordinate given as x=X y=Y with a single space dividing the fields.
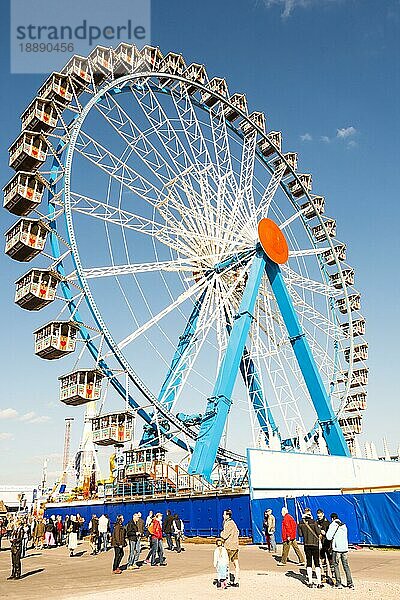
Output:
x=201 y=516
x=372 y=519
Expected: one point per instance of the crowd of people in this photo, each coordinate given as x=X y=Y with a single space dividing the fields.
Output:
x=325 y=542
x=46 y=533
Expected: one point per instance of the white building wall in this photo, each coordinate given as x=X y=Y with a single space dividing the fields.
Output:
x=274 y=474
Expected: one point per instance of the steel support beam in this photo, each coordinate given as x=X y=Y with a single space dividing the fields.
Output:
x=328 y=421
x=218 y=405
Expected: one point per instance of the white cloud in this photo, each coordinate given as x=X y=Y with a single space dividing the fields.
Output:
x=326 y=139
x=346 y=132
x=32 y=417
x=352 y=144
x=306 y=137
x=288 y=6
x=5 y=436
x=8 y=413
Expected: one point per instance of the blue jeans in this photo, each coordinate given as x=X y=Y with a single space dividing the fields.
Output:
x=157 y=549
x=103 y=537
x=337 y=557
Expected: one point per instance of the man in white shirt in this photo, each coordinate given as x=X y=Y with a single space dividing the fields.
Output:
x=337 y=533
x=104 y=526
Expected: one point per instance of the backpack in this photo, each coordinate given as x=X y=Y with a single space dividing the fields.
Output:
x=150 y=528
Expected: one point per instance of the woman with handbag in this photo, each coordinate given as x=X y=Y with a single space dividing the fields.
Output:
x=308 y=529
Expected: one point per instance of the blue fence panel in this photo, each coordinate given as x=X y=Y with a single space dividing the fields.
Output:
x=201 y=516
x=370 y=518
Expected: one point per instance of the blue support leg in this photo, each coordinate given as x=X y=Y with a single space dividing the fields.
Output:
x=218 y=405
x=331 y=429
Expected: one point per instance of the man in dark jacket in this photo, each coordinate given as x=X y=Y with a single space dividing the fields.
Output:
x=326 y=546
x=167 y=529
x=133 y=535
x=118 y=543
x=310 y=532
x=17 y=535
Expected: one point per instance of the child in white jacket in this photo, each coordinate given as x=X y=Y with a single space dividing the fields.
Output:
x=221 y=564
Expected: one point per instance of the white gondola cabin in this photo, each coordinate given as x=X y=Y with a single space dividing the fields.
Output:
x=258 y=118
x=339 y=252
x=56 y=339
x=23 y=193
x=28 y=152
x=41 y=115
x=196 y=73
x=81 y=386
x=113 y=428
x=319 y=232
x=358 y=327
x=348 y=276
x=289 y=159
x=238 y=102
x=356 y=402
x=354 y=301
x=127 y=58
x=172 y=63
x=351 y=425
x=36 y=289
x=101 y=59
x=360 y=353
x=271 y=143
x=152 y=56
x=217 y=85
x=57 y=87
x=79 y=71
x=303 y=184
x=25 y=239
x=309 y=211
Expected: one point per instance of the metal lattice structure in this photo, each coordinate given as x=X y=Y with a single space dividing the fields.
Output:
x=148 y=182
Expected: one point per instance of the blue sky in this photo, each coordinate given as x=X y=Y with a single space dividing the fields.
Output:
x=326 y=73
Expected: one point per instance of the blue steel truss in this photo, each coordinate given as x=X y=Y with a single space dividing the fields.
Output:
x=219 y=403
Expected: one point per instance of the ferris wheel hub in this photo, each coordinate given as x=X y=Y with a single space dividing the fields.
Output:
x=273 y=241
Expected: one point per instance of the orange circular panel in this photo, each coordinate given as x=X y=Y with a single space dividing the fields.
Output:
x=273 y=241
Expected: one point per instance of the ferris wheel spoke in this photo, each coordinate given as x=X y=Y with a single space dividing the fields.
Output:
x=292 y=278
x=222 y=148
x=270 y=191
x=292 y=218
x=193 y=132
x=247 y=174
x=316 y=318
x=162 y=127
x=117 y=168
x=130 y=269
x=197 y=287
x=308 y=252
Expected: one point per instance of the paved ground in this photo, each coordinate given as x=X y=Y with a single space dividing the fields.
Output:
x=188 y=576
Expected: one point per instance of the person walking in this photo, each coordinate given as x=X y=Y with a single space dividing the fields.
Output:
x=308 y=529
x=149 y=520
x=94 y=534
x=59 y=530
x=49 y=531
x=289 y=528
x=104 y=528
x=337 y=533
x=230 y=537
x=157 y=548
x=167 y=529
x=177 y=532
x=38 y=534
x=3 y=528
x=16 y=538
x=325 y=552
x=132 y=537
x=269 y=530
x=73 y=535
x=118 y=542
x=221 y=564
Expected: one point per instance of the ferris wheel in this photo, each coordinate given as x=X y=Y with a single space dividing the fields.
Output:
x=189 y=259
